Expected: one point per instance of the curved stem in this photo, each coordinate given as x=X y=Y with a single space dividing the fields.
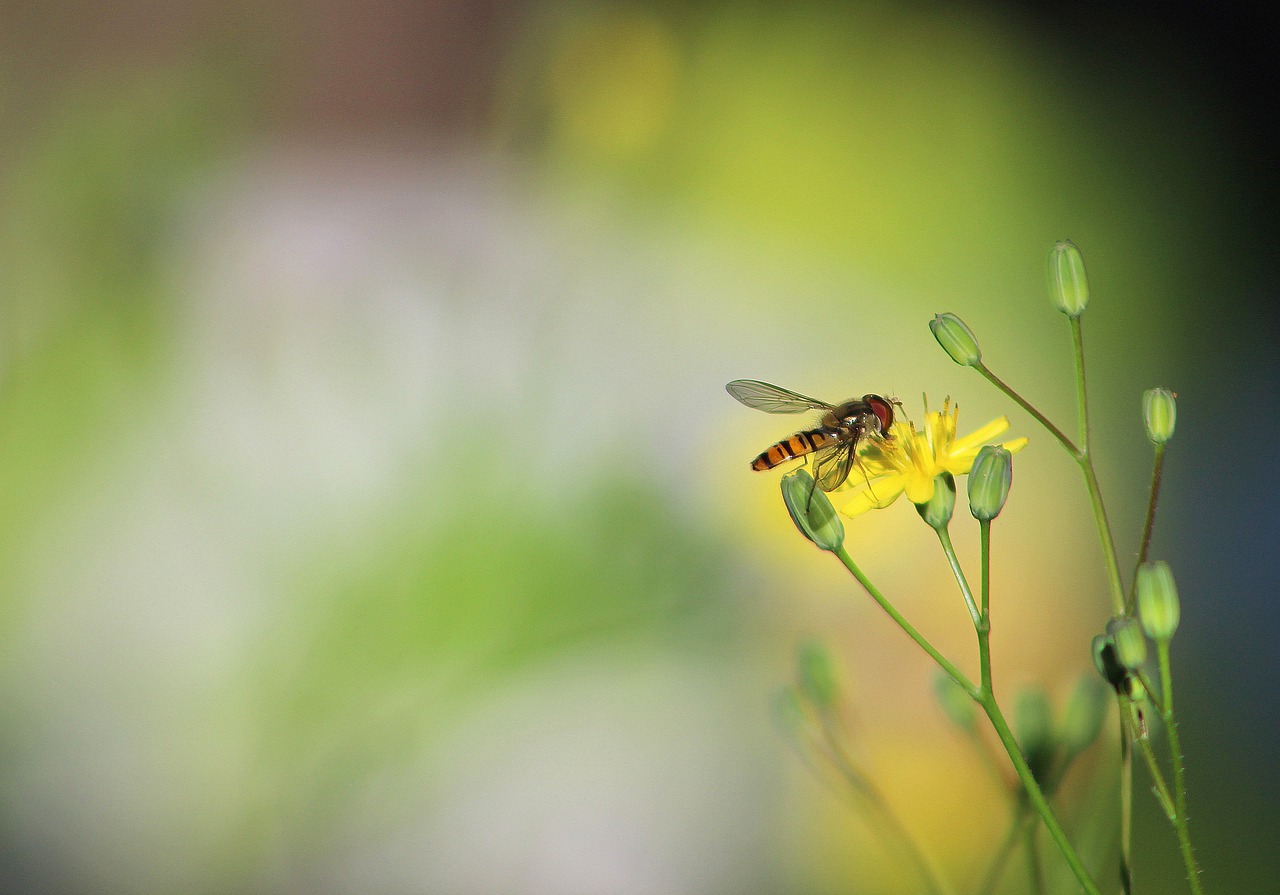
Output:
x=1034 y=794
x=1083 y=459
x=1027 y=406
x=954 y=673
x=944 y=537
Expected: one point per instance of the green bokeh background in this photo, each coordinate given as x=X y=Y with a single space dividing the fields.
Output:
x=375 y=519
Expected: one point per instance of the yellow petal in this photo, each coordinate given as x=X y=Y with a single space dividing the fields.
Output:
x=919 y=488
x=1016 y=445
x=979 y=436
x=869 y=498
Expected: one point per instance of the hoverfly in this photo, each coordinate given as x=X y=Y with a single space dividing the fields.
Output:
x=834 y=442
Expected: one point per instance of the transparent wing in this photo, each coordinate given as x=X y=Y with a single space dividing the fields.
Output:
x=772 y=398
x=833 y=464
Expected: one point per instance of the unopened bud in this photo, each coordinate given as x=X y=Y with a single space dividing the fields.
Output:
x=1130 y=644
x=1068 y=285
x=1160 y=413
x=936 y=511
x=956 y=339
x=1158 y=605
x=989 y=482
x=811 y=510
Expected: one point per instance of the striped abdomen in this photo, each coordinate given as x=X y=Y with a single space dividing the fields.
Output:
x=796 y=446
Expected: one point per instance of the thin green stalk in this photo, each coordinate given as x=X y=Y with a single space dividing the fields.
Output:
x=1082 y=402
x=1159 y=786
x=1179 y=782
x=944 y=537
x=1027 y=406
x=955 y=673
x=1144 y=548
x=1038 y=800
x=986 y=698
x=985 y=527
x=1083 y=459
x=1126 y=804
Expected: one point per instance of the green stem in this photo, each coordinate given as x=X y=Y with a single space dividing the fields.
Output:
x=954 y=673
x=1083 y=460
x=1027 y=406
x=1036 y=796
x=987 y=699
x=944 y=537
x=984 y=526
x=1126 y=803
x=1144 y=548
x=1159 y=786
x=1181 y=824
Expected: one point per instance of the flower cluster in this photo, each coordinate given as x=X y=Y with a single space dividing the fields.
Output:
x=910 y=461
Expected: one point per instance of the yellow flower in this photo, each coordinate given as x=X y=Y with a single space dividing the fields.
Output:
x=910 y=460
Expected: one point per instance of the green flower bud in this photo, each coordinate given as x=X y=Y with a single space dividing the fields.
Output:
x=955 y=702
x=1160 y=413
x=1130 y=644
x=1085 y=714
x=1033 y=724
x=1068 y=285
x=816 y=674
x=956 y=339
x=1158 y=605
x=937 y=510
x=989 y=482
x=811 y=510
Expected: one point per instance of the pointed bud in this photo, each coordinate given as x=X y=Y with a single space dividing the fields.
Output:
x=956 y=703
x=816 y=674
x=1158 y=605
x=989 y=482
x=811 y=510
x=1160 y=413
x=1085 y=714
x=936 y=511
x=1130 y=644
x=956 y=339
x=1068 y=285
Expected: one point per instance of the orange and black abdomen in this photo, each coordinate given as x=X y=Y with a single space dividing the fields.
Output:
x=796 y=446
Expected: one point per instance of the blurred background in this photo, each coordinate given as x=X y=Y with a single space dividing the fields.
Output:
x=374 y=516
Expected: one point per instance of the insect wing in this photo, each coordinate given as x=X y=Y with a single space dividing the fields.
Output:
x=772 y=398
x=834 y=464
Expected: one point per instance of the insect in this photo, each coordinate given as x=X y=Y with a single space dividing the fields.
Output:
x=834 y=442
